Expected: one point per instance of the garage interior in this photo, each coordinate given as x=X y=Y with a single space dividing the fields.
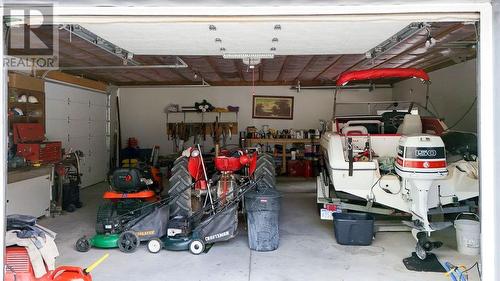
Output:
x=121 y=85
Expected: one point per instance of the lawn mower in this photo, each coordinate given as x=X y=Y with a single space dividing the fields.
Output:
x=129 y=200
x=216 y=220
x=232 y=169
x=214 y=223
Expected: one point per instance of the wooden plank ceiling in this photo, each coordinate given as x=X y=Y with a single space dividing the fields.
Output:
x=453 y=46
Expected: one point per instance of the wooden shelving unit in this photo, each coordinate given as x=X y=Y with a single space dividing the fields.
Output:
x=32 y=112
x=283 y=143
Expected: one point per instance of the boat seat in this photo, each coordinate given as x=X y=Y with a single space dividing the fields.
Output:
x=373 y=126
x=354 y=130
x=412 y=124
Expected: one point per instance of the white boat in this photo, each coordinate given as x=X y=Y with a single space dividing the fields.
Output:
x=397 y=161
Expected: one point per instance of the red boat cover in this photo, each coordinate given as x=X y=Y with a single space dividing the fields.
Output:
x=369 y=74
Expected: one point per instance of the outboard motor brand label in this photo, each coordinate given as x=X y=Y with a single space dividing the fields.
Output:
x=425 y=153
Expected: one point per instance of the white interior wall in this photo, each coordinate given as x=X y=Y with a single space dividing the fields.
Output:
x=142 y=109
x=452 y=92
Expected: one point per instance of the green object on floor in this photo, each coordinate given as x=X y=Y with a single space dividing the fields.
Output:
x=176 y=243
x=105 y=241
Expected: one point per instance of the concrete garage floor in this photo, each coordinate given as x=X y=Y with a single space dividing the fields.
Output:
x=308 y=250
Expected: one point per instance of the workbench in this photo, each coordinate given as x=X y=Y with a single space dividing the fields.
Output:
x=29 y=190
x=284 y=143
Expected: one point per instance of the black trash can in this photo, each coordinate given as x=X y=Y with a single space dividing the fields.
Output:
x=263 y=208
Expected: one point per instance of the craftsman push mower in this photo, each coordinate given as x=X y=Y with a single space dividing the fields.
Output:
x=214 y=223
x=128 y=203
x=203 y=215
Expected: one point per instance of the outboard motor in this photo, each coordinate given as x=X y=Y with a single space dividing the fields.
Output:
x=421 y=160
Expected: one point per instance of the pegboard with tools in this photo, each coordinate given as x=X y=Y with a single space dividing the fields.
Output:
x=219 y=127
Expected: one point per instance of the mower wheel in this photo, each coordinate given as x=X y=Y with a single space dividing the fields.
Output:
x=155 y=245
x=266 y=170
x=196 y=247
x=83 y=244
x=179 y=185
x=128 y=242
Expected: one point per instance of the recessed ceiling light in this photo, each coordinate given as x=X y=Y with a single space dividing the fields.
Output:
x=273 y=49
x=275 y=40
x=212 y=27
x=277 y=27
x=218 y=40
x=222 y=49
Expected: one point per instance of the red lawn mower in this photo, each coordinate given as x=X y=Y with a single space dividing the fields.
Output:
x=206 y=213
x=233 y=168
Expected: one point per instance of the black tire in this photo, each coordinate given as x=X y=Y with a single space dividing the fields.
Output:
x=178 y=185
x=104 y=215
x=266 y=171
x=179 y=162
x=128 y=242
x=82 y=245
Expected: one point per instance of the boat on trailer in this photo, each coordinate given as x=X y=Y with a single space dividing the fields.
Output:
x=394 y=161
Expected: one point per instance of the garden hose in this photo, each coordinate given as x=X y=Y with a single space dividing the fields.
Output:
x=95 y=264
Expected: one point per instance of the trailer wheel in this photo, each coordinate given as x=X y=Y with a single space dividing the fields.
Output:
x=155 y=245
x=83 y=244
x=178 y=185
x=196 y=247
x=266 y=171
x=128 y=242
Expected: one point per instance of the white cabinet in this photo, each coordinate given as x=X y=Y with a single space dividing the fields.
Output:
x=29 y=192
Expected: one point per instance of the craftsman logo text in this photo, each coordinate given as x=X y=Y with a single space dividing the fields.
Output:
x=216 y=236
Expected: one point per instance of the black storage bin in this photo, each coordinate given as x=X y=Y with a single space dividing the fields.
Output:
x=353 y=229
x=71 y=197
x=263 y=208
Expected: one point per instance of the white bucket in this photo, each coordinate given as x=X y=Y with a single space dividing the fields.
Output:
x=468 y=234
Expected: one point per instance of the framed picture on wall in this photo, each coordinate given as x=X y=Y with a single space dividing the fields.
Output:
x=272 y=107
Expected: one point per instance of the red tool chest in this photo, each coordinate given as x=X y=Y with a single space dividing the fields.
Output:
x=30 y=145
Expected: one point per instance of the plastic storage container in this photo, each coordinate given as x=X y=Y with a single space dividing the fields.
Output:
x=353 y=229
x=263 y=208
